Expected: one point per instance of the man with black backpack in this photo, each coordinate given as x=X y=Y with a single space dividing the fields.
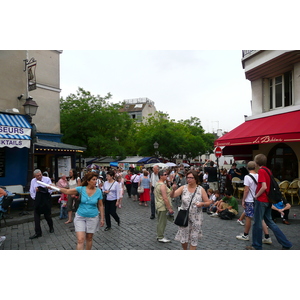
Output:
x=262 y=208
x=250 y=183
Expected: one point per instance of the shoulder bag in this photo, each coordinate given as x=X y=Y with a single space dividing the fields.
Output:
x=182 y=218
x=104 y=195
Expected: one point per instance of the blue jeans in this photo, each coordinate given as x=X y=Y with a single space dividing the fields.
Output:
x=63 y=212
x=262 y=211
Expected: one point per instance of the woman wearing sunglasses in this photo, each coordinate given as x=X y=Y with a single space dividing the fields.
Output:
x=191 y=234
x=163 y=205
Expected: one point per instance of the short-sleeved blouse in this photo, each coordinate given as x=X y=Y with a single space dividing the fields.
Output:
x=88 y=206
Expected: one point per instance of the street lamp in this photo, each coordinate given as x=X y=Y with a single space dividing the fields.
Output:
x=156 y=145
x=30 y=107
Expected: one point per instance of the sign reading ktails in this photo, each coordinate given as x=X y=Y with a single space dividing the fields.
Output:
x=11 y=143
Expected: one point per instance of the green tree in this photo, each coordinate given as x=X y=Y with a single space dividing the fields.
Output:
x=175 y=139
x=95 y=123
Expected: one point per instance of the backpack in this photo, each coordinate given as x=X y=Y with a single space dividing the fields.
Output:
x=226 y=214
x=6 y=202
x=274 y=195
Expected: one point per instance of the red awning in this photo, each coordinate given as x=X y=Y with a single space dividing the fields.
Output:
x=274 y=129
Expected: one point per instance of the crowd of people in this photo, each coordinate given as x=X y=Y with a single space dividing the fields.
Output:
x=94 y=196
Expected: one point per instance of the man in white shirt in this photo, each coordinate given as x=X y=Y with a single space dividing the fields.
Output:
x=250 y=183
x=42 y=202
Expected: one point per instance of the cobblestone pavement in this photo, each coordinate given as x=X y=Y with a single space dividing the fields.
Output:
x=136 y=232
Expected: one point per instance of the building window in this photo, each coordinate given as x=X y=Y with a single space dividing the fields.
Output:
x=280 y=90
x=283 y=162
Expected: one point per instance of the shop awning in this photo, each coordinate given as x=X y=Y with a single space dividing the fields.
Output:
x=280 y=128
x=43 y=145
x=15 y=131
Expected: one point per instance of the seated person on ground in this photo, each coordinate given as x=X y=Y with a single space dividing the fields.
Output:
x=228 y=202
x=2 y=194
x=281 y=210
x=215 y=200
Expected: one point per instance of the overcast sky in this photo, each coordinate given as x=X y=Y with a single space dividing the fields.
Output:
x=208 y=84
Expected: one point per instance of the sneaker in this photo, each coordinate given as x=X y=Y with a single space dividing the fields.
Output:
x=2 y=239
x=209 y=213
x=240 y=222
x=214 y=215
x=164 y=240
x=267 y=241
x=243 y=237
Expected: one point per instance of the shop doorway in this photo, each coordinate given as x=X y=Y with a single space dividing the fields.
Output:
x=283 y=162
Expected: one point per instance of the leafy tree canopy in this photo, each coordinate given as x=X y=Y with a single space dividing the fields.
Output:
x=175 y=139
x=95 y=123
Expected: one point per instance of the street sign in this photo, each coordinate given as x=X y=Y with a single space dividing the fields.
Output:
x=218 y=152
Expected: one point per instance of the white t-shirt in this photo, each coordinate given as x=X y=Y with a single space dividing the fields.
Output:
x=248 y=181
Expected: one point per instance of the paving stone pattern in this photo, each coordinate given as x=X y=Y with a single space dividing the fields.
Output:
x=136 y=232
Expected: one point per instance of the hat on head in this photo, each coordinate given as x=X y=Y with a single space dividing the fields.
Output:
x=181 y=172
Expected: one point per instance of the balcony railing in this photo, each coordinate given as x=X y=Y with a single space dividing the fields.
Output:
x=247 y=53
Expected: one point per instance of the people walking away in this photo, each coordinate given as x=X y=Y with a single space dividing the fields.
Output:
x=112 y=191
x=42 y=202
x=87 y=218
x=120 y=182
x=163 y=205
x=190 y=235
x=135 y=178
x=145 y=183
x=153 y=179
x=262 y=208
x=212 y=172
x=128 y=183
x=250 y=182
x=74 y=181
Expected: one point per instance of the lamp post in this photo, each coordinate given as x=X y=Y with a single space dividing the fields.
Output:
x=156 y=145
x=30 y=107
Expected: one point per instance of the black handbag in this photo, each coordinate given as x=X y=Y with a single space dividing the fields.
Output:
x=182 y=218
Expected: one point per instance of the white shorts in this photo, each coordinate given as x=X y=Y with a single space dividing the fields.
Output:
x=88 y=225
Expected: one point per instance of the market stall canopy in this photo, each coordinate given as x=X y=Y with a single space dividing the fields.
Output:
x=171 y=164
x=131 y=159
x=15 y=131
x=161 y=165
x=184 y=164
x=278 y=128
x=148 y=160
